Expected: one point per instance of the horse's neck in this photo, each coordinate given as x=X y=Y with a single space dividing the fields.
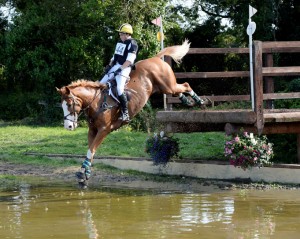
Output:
x=88 y=96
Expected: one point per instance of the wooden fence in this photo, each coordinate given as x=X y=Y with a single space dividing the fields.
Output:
x=264 y=118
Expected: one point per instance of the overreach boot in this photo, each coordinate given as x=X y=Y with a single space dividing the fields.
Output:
x=124 y=108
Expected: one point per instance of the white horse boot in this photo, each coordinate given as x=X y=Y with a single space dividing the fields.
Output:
x=198 y=100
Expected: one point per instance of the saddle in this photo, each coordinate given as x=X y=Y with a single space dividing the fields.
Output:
x=113 y=93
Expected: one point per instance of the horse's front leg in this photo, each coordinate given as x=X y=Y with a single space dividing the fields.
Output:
x=95 y=138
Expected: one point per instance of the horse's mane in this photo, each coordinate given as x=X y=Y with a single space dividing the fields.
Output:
x=86 y=83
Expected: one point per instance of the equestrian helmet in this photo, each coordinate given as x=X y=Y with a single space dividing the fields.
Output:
x=126 y=28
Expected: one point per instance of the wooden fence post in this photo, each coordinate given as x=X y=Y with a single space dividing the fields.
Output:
x=269 y=81
x=258 y=86
x=168 y=59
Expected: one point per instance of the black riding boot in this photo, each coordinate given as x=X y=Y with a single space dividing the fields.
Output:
x=124 y=108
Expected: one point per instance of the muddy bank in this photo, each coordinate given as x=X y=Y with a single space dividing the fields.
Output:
x=123 y=179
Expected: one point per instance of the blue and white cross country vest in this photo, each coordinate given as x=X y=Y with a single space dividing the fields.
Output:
x=122 y=50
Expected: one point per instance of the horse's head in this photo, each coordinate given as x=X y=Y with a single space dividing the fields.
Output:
x=71 y=106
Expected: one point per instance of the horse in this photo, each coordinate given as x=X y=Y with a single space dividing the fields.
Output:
x=149 y=76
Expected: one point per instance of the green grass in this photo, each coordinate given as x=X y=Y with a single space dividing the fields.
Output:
x=17 y=140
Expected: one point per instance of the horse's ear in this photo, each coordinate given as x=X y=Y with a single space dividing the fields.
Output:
x=58 y=90
x=64 y=90
x=67 y=90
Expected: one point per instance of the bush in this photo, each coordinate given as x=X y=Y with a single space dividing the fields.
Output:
x=145 y=120
x=26 y=107
x=246 y=150
x=18 y=106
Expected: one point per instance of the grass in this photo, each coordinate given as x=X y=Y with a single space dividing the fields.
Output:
x=17 y=140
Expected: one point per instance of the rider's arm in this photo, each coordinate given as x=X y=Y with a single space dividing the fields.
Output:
x=129 y=60
x=126 y=64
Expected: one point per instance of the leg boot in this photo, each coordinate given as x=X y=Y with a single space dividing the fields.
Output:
x=198 y=100
x=124 y=108
x=184 y=100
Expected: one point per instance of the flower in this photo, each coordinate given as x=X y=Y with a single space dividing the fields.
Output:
x=161 y=148
x=246 y=150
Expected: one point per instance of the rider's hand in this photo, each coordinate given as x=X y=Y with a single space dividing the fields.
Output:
x=107 y=68
x=118 y=71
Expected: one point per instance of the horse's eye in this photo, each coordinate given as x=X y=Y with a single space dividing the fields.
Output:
x=69 y=105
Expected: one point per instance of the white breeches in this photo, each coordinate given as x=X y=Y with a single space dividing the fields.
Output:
x=121 y=79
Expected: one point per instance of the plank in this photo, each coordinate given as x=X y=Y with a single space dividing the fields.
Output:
x=237 y=50
x=281 y=71
x=219 y=98
x=207 y=116
x=282 y=117
x=275 y=96
x=221 y=74
x=281 y=47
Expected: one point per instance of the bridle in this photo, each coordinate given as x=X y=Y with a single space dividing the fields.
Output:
x=76 y=103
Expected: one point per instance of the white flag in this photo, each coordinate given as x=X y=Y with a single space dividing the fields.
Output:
x=252 y=11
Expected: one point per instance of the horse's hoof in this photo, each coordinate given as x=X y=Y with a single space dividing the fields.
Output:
x=80 y=176
x=206 y=101
x=83 y=185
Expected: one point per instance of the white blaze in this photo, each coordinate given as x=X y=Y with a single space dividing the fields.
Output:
x=70 y=121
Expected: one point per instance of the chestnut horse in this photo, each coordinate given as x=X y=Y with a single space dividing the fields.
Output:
x=150 y=76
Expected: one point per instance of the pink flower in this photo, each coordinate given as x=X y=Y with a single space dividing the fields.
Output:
x=237 y=139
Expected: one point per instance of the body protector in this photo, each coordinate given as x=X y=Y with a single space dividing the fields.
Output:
x=126 y=50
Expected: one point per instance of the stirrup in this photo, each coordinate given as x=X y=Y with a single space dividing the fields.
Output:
x=124 y=117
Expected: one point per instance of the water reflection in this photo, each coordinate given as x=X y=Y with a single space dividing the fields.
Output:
x=88 y=220
x=59 y=212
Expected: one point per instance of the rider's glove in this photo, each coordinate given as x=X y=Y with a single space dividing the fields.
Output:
x=118 y=71
x=107 y=68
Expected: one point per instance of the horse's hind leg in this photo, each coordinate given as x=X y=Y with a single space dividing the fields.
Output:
x=185 y=88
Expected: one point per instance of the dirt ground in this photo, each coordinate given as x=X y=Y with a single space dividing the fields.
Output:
x=120 y=179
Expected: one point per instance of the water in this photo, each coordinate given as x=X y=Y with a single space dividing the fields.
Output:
x=66 y=212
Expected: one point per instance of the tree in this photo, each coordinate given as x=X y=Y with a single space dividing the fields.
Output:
x=53 y=42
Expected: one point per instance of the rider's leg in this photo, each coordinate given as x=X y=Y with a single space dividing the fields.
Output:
x=121 y=81
x=124 y=108
x=110 y=74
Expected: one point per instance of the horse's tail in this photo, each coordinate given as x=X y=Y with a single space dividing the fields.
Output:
x=176 y=52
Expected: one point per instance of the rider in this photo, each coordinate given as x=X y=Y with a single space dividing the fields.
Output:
x=120 y=65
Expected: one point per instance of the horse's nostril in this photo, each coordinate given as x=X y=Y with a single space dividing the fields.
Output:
x=70 y=126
